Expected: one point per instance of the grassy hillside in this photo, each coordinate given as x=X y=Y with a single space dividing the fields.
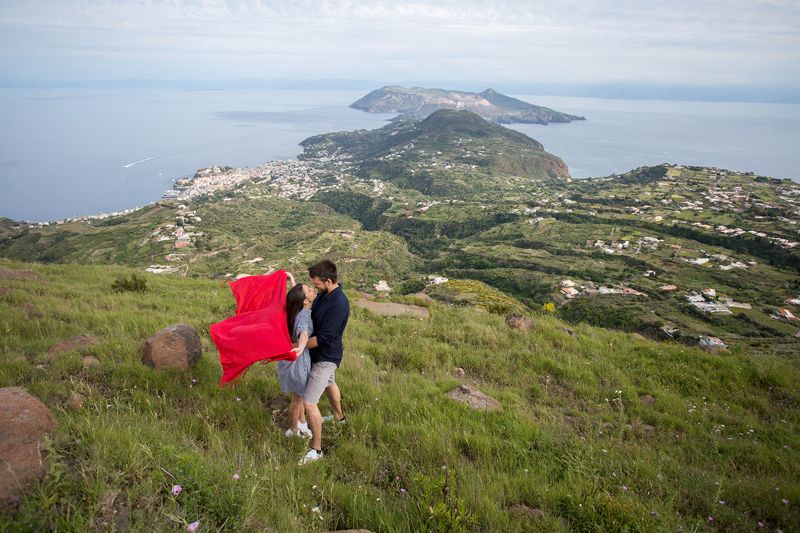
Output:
x=450 y=153
x=717 y=450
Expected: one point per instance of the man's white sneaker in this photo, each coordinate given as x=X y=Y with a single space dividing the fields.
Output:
x=310 y=456
x=331 y=418
x=304 y=432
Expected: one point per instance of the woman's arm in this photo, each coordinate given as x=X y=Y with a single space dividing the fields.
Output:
x=312 y=343
x=291 y=279
x=301 y=343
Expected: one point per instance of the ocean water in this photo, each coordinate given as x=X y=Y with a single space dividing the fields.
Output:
x=79 y=152
x=620 y=135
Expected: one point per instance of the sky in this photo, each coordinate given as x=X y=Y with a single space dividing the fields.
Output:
x=701 y=42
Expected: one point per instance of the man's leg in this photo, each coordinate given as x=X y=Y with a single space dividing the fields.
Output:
x=335 y=397
x=314 y=418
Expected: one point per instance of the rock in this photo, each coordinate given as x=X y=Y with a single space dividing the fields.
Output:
x=518 y=321
x=75 y=401
x=71 y=344
x=90 y=361
x=5 y=290
x=459 y=372
x=27 y=308
x=24 y=422
x=364 y=295
x=638 y=337
x=569 y=332
x=19 y=359
x=391 y=309
x=648 y=400
x=424 y=297
x=647 y=430
x=474 y=398
x=351 y=531
x=176 y=346
x=10 y=273
x=279 y=403
x=528 y=512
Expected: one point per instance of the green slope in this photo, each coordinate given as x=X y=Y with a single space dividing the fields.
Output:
x=573 y=438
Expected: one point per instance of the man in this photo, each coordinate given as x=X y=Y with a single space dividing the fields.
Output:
x=329 y=314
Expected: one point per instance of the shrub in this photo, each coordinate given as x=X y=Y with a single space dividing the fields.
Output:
x=135 y=283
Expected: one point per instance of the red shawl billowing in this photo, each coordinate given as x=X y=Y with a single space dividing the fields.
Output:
x=258 y=332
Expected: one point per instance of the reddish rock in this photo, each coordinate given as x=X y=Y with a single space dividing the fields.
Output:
x=176 y=346
x=474 y=398
x=71 y=344
x=27 y=308
x=75 y=401
x=24 y=422
x=519 y=321
x=424 y=297
x=648 y=400
x=90 y=361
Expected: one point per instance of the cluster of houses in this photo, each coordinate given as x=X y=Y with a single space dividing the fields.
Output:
x=708 y=302
x=84 y=220
x=729 y=264
x=570 y=290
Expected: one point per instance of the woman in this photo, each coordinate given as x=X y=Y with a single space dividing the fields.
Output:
x=293 y=375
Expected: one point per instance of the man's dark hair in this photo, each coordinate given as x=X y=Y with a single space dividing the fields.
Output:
x=324 y=270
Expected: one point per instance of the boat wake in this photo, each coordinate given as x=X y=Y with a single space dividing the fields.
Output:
x=146 y=159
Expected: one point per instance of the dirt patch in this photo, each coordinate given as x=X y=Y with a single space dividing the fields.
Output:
x=10 y=273
x=392 y=309
x=5 y=290
x=74 y=343
x=473 y=397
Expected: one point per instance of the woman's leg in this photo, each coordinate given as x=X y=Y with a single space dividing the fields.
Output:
x=295 y=411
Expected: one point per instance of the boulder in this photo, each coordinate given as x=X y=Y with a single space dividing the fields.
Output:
x=459 y=372
x=519 y=321
x=424 y=297
x=528 y=512
x=90 y=361
x=473 y=397
x=71 y=344
x=24 y=422
x=176 y=346
x=75 y=401
x=648 y=400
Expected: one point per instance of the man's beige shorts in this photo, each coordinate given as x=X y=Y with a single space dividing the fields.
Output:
x=322 y=374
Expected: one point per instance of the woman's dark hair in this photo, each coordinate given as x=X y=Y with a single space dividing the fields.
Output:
x=324 y=270
x=294 y=304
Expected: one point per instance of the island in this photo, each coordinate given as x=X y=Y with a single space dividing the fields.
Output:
x=417 y=103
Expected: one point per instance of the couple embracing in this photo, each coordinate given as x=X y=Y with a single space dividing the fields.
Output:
x=316 y=325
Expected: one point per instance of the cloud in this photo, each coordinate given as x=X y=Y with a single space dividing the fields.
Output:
x=702 y=42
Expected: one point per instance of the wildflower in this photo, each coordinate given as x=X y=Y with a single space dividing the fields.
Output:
x=624 y=487
x=315 y=509
x=194 y=380
x=722 y=502
x=238 y=399
x=236 y=476
x=761 y=524
x=403 y=491
x=191 y=528
x=785 y=501
x=710 y=518
x=176 y=489
x=605 y=451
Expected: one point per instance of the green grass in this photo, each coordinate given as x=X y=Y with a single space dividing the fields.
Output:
x=571 y=434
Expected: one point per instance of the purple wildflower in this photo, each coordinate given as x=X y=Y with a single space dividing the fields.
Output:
x=236 y=476
x=191 y=528
x=176 y=489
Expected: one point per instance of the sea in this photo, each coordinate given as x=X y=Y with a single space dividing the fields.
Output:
x=74 y=152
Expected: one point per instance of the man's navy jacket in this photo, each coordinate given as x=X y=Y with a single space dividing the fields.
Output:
x=329 y=313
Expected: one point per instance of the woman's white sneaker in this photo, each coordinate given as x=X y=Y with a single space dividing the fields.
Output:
x=311 y=456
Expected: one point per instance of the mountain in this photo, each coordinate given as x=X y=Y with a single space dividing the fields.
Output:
x=449 y=153
x=419 y=102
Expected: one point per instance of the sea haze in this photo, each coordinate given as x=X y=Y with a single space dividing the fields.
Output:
x=79 y=152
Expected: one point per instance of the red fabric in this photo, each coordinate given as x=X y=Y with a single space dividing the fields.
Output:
x=258 y=332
